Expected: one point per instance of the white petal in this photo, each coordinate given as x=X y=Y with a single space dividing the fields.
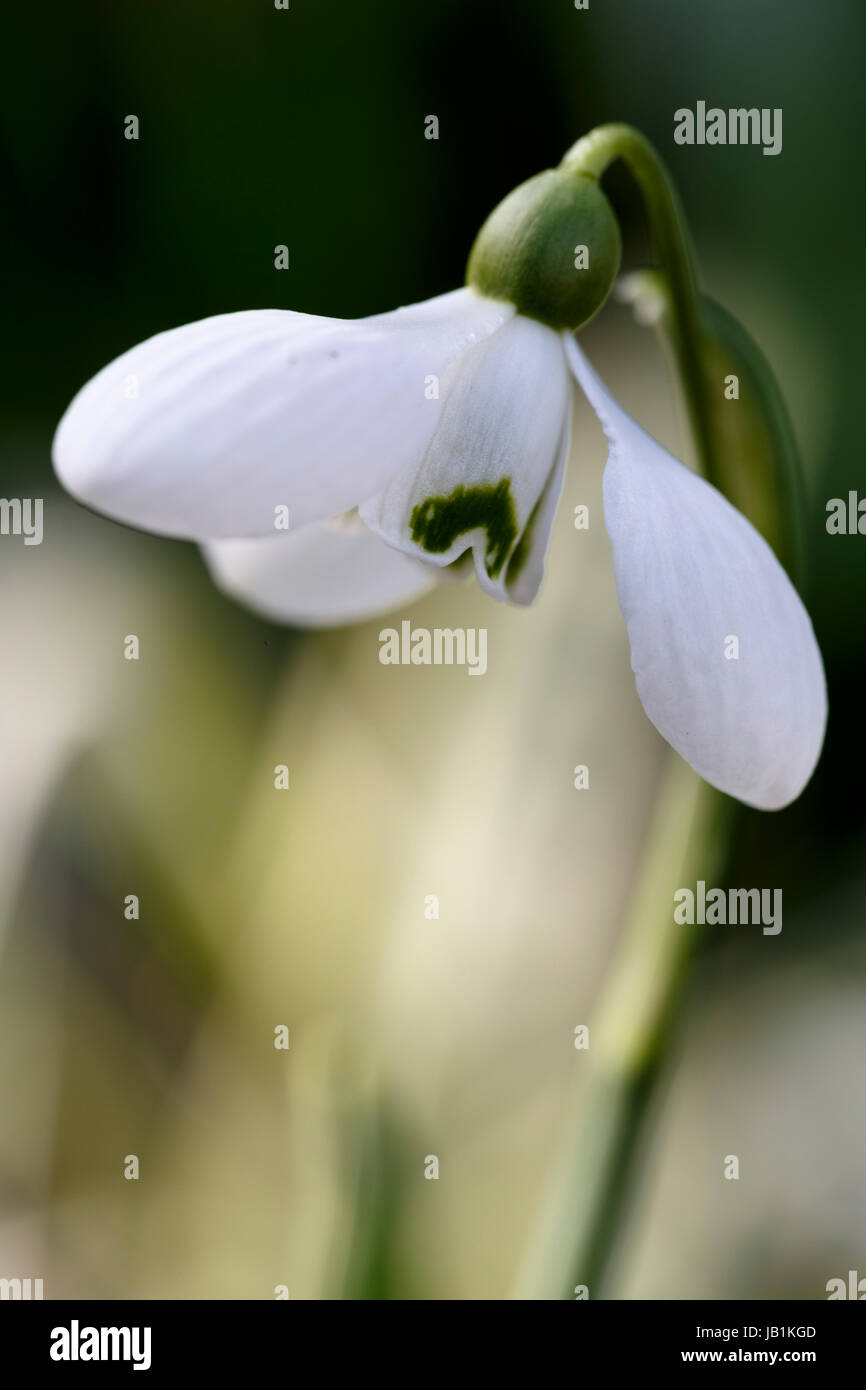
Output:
x=691 y=574
x=487 y=465
x=523 y=579
x=324 y=575
x=203 y=431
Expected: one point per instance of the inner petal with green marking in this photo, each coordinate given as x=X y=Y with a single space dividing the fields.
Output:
x=437 y=522
x=488 y=463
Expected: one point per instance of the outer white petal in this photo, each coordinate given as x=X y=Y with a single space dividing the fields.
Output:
x=204 y=430
x=326 y=574
x=501 y=428
x=692 y=573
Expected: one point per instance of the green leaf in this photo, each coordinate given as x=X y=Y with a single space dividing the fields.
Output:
x=753 y=456
x=757 y=461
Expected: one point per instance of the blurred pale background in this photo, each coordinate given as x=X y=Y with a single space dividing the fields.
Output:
x=409 y=1037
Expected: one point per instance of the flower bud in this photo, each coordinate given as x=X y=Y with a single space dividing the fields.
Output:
x=551 y=248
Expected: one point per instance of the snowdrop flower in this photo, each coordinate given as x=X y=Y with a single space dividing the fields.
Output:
x=407 y=446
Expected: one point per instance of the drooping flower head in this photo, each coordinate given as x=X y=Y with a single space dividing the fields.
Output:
x=410 y=445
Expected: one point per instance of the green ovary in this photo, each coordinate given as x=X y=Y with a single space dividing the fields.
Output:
x=437 y=522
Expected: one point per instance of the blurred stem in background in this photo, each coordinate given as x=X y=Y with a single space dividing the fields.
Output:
x=628 y=1042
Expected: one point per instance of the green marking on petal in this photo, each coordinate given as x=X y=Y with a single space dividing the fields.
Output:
x=437 y=522
x=522 y=550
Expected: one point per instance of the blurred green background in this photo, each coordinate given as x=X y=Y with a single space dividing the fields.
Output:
x=305 y=1169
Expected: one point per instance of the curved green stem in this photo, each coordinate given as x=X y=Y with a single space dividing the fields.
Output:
x=672 y=248
x=628 y=1041
x=688 y=839
x=749 y=454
